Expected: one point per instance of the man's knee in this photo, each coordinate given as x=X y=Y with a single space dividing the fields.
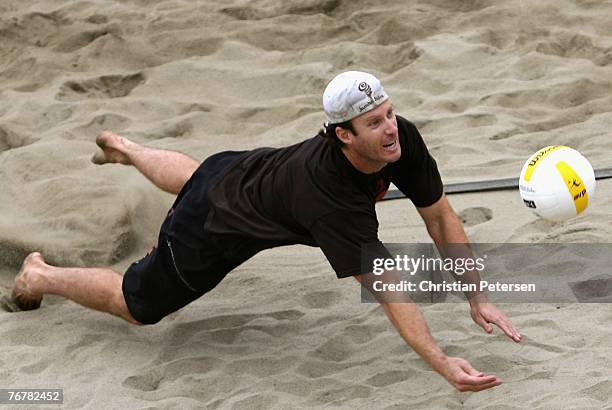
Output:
x=139 y=314
x=122 y=310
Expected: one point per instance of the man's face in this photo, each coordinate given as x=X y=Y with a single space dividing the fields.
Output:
x=376 y=142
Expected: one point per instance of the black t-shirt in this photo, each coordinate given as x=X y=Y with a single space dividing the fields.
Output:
x=308 y=193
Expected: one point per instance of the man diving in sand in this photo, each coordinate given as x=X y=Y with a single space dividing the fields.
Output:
x=320 y=192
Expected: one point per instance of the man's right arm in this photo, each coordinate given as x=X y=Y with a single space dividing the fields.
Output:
x=410 y=324
x=339 y=236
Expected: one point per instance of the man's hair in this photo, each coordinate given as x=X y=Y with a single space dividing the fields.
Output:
x=329 y=132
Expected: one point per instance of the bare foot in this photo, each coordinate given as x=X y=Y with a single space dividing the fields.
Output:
x=23 y=294
x=114 y=149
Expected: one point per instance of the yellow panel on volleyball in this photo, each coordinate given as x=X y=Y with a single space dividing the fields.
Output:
x=575 y=185
x=537 y=158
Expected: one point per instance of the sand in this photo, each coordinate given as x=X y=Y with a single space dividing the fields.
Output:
x=487 y=83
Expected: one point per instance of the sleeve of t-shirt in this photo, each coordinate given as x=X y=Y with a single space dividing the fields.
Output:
x=416 y=172
x=344 y=237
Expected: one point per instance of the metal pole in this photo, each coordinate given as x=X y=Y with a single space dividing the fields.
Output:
x=487 y=185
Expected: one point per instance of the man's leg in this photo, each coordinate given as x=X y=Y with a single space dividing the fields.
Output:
x=95 y=288
x=168 y=170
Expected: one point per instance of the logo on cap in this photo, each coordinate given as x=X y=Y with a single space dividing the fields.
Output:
x=366 y=89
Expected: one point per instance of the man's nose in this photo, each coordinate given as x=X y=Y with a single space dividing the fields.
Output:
x=390 y=126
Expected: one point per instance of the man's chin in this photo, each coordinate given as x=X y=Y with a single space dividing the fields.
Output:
x=392 y=157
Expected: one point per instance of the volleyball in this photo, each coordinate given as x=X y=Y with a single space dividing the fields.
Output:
x=557 y=182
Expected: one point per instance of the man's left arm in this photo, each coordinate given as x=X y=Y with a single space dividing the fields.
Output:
x=444 y=227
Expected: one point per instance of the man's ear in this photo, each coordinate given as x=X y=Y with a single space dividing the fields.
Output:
x=344 y=135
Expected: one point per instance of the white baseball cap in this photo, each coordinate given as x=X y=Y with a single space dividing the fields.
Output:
x=350 y=94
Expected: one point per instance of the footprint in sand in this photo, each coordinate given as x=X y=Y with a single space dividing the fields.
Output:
x=388 y=378
x=475 y=216
x=502 y=135
x=151 y=379
x=575 y=45
x=80 y=40
x=252 y=12
x=321 y=300
x=599 y=391
x=10 y=139
x=106 y=121
x=594 y=290
x=107 y=86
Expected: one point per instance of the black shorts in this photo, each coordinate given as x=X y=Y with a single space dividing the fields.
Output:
x=187 y=262
x=171 y=276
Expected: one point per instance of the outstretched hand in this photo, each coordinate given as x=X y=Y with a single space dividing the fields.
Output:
x=464 y=377
x=486 y=314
